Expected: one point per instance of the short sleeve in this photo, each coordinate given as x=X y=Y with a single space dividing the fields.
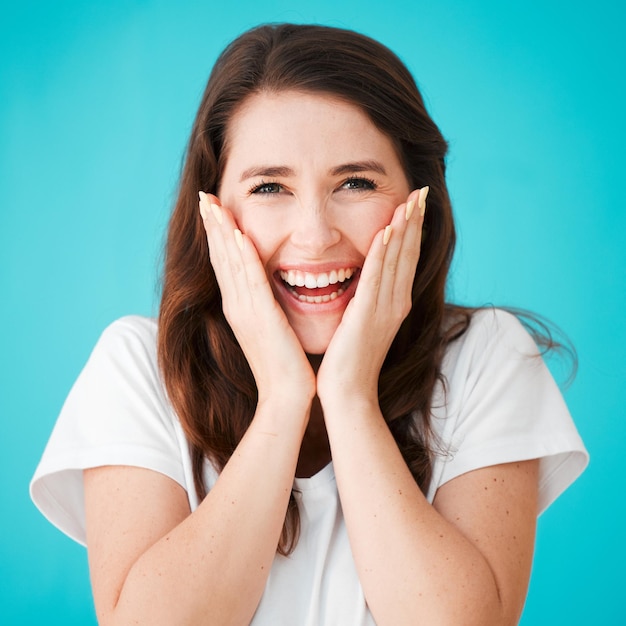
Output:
x=116 y=414
x=501 y=405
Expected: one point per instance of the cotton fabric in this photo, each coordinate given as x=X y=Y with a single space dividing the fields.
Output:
x=499 y=404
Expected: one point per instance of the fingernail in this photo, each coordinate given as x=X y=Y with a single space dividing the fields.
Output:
x=410 y=205
x=217 y=212
x=238 y=238
x=204 y=205
x=421 y=199
x=387 y=234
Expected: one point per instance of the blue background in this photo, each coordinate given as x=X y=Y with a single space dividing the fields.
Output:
x=96 y=103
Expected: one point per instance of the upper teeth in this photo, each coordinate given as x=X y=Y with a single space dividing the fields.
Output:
x=296 y=278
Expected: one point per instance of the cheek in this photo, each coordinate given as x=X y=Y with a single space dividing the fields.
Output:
x=257 y=224
x=264 y=231
x=362 y=228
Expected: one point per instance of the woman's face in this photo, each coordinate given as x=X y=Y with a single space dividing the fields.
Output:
x=310 y=180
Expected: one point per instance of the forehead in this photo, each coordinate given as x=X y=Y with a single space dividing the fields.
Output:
x=288 y=123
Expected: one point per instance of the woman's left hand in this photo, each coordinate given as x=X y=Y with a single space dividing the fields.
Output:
x=352 y=363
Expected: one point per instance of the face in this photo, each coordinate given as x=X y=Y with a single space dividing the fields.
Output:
x=311 y=181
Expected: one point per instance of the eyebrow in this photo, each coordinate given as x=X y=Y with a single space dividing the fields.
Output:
x=270 y=171
x=274 y=171
x=359 y=166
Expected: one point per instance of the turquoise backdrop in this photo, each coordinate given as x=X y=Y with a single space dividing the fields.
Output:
x=96 y=102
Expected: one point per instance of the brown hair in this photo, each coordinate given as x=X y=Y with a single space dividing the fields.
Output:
x=206 y=374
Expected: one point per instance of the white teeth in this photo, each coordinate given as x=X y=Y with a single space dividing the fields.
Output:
x=323 y=280
x=296 y=278
x=320 y=299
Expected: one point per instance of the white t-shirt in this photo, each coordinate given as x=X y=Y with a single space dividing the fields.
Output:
x=500 y=405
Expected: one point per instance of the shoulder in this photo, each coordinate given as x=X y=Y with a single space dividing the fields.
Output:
x=500 y=404
x=117 y=413
x=121 y=382
x=123 y=371
x=490 y=325
x=131 y=330
x=127 y=345
x=492 y=336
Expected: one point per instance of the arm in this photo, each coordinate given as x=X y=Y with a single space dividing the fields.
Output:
x=465 y=560
x=151 y=561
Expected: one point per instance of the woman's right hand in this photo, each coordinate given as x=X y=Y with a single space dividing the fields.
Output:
x=274 y=353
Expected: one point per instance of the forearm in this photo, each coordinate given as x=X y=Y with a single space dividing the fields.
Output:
x=215 y=563
x=414 y=565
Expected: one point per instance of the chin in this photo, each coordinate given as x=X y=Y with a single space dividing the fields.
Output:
x=315 y=341
x=315 y=345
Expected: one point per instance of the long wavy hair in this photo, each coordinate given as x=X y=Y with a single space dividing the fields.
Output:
x=206 y=375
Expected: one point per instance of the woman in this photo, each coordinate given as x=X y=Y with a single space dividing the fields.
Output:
x=318 y=331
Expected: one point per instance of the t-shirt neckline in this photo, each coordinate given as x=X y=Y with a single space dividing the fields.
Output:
x=324 y=476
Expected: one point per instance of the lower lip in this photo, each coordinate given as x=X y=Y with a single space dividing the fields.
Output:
x=338 y=303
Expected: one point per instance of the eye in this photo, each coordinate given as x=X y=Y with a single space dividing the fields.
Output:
x=359 y=184
x=266 y=187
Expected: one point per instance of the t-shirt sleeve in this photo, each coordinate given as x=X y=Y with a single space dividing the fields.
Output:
x=503 y=406
x=116 y=414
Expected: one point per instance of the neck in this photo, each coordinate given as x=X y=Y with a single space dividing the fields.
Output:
x=315 y=449
x=315 y=360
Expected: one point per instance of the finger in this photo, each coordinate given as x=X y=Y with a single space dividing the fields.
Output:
x=248 y=279
x=410 y=247
x=393 y=260
x=225 y=248
x=257 y=283
x=378 y=276
x=366 y=297
x=219 y=252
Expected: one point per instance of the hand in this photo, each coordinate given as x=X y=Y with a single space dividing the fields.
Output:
x=356 y=353
x=276 y=358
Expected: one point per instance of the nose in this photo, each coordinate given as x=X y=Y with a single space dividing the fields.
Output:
x=314 y=230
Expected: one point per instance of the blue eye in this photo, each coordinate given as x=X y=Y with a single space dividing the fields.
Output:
x=266 y=188
x=359 y=184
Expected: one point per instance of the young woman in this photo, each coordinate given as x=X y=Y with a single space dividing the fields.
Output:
x=310 y=434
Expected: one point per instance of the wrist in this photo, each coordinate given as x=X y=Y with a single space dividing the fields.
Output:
x=284 y=402
x=347 y=402
x=295 y=392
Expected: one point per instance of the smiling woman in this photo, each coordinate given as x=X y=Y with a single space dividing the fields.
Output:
x=310 y=180
x=310 y=434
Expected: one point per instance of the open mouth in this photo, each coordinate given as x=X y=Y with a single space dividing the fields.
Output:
x=318 y=288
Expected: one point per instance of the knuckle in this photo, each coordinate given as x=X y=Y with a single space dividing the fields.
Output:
x=392 y=266
x=401 y=310
x=236 y=269
x=375 y=282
